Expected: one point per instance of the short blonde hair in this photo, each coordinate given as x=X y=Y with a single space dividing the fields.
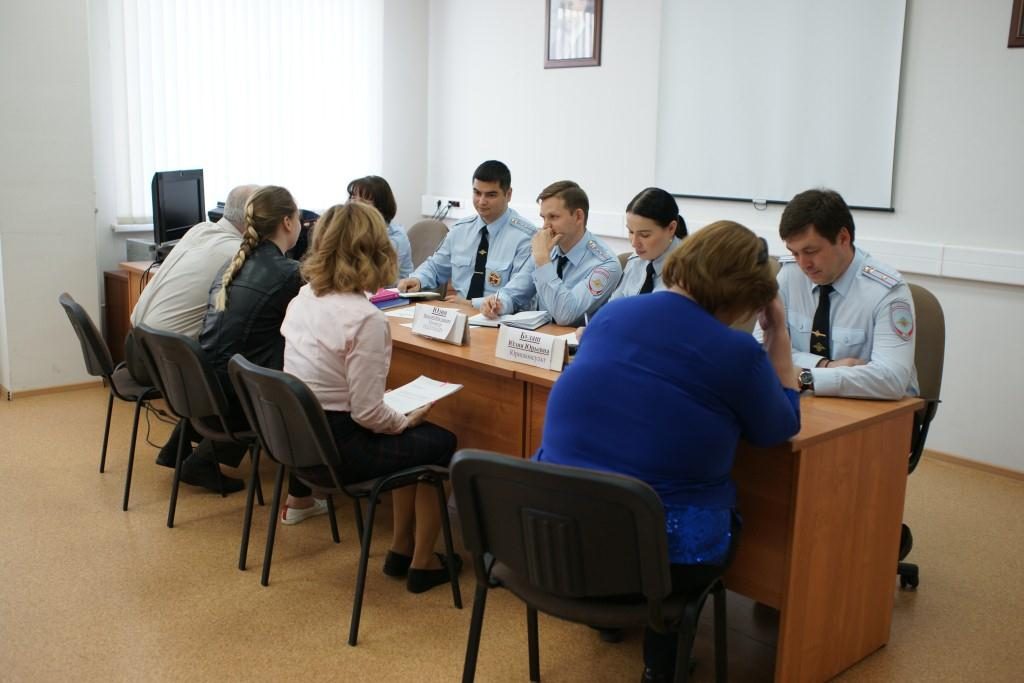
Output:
x=724 y=267
x=350 y=252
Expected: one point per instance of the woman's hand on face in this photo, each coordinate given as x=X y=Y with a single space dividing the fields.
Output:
x=772 y=316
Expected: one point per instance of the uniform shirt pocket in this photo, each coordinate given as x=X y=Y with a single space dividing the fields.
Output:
x=848 y=342
x=462 y=268
x=799 y=330
x=497 y=274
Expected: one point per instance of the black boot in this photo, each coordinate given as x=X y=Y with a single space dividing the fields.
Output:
x=201 y=470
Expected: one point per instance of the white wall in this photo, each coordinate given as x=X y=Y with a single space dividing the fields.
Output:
x=958 y=181
x=46 y=188
x=491 y=98
x=404 y=162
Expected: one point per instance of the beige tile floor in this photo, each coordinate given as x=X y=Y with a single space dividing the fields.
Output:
x=91 y=593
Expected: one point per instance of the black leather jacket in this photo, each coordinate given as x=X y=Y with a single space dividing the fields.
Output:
x=250 y=324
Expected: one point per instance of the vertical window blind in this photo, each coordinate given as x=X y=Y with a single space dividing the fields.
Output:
x=283 y=92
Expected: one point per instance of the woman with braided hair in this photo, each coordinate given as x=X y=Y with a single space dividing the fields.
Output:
x=247 y=302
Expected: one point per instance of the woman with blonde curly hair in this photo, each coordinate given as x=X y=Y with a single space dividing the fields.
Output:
x=339 y=344
x=698 y=388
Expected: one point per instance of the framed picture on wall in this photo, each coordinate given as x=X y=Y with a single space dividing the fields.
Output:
x=573 y=33
x=1017 y=25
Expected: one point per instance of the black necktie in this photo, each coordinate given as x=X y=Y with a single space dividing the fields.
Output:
x=649 y=282
x=562 y=260
x=821 y=344
x=476 y=285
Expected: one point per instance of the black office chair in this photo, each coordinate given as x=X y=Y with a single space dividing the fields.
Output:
x=294 y=432
x=123 y=385
x=584 y=546
x=193 y=392
x=929 y=354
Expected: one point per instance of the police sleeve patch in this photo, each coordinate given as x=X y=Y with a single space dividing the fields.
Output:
x=598 y=282
x=901 y=318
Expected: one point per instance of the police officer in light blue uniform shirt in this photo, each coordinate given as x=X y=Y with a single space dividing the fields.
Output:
x=655 y=230
x=396 y=233
x=634 y=276
x=477 y=263
x=373 y=189
x=572 y=271
x=850 y=318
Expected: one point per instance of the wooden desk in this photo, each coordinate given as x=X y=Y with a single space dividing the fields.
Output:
x=122 y=289
x=821 y=513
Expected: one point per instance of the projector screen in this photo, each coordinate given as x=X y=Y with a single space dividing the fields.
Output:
x=762 y=100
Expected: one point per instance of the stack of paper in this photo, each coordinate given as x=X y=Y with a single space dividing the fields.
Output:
x=418 y=393
x=526 y=320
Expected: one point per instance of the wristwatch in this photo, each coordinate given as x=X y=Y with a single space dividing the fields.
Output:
x=806 y=380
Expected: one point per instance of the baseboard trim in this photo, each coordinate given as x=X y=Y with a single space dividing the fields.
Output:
x=974 y=464
x=11 y=395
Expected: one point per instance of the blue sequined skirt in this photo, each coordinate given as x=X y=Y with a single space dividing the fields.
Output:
x=698 y=535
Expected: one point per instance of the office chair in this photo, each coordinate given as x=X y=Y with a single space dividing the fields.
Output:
x=929 y=355
x=584 y=546
x=123 y=385
x=193 y=392
x=425 y=236
x=623 y=257
x=293 y=429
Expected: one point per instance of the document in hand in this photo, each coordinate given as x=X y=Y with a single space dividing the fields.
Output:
x=418 y=393
x=525 y=320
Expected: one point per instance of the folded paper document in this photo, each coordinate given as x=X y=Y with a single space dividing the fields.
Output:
x=526 y=320
x=418 y=393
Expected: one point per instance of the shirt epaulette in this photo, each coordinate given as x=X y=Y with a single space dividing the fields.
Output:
x=518 y=222
x=594 y=248
x=467 y=219
x=787 y=258
x=885 y=278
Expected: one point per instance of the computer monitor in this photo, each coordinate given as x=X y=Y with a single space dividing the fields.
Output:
x=178 y=203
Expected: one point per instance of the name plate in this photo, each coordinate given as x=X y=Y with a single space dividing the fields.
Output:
x=443 y=324
x=531 y=348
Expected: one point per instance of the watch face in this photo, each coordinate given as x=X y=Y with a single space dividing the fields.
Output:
x=806 y=378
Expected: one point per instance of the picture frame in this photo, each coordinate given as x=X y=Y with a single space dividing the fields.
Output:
x=572 y=33
x=1016 y=25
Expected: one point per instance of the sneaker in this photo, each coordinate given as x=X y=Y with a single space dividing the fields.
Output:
x=421 y=580
x=291 y=516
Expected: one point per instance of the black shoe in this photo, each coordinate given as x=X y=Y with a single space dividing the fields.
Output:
x=654 y=676
x=396 y=564
x=200 y=471
x=421 y=580
x=166 y=458
x=611 y=635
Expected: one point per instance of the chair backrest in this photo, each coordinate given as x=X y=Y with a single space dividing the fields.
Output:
x=929 y=356
x=571 y=532
x=623 y=257
x=930 y=349
x=424 y=237
x=285 y=414
x=98 y=362
x=182 y=374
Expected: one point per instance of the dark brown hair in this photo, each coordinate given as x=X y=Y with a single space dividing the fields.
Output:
x=823 y=209
x=375 y=190
x=571 y=194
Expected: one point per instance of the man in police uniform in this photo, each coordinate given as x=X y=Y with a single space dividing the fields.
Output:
x=481 y=254
x=850 y=318
x=572 y=271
